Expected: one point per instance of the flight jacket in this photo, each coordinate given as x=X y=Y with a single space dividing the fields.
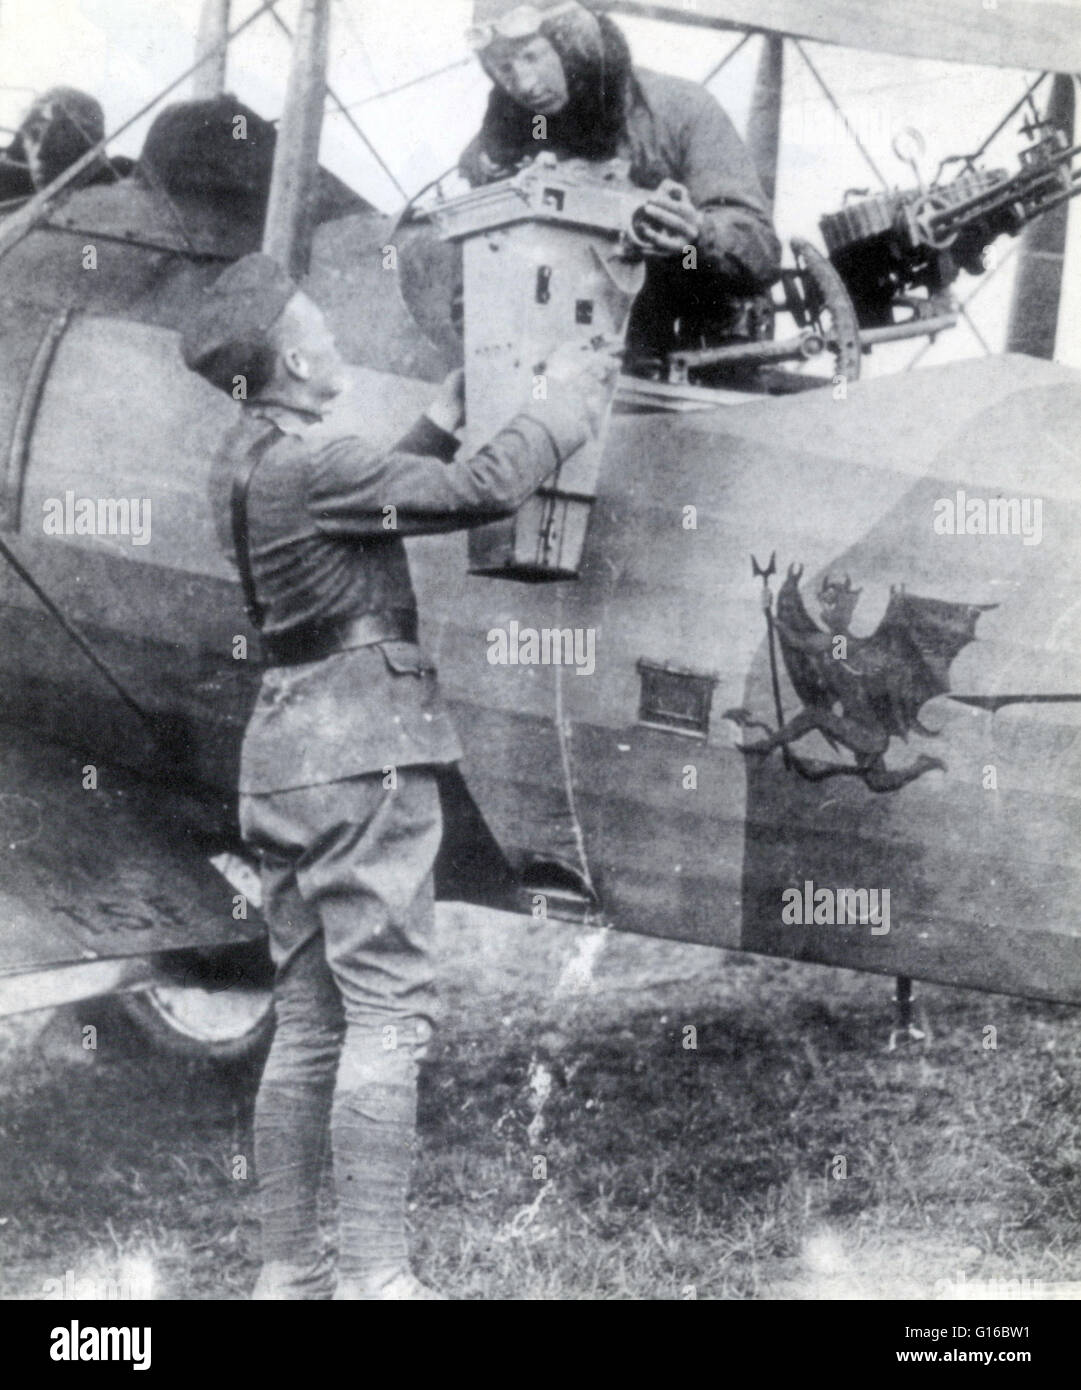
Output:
x=676 y=130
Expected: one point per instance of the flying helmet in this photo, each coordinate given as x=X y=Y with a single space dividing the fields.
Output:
x=507 y=19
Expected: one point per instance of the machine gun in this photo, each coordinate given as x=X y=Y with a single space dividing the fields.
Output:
x=892 y=261
x=889 y=248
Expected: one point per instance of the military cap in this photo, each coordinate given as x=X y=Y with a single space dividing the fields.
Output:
x=511 y=19
x=59 y=128
x=227 y=333
x=80 y=108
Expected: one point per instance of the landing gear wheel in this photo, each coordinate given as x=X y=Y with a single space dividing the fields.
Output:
x=217 y=1008
x=233 y=1025
x=830 y=310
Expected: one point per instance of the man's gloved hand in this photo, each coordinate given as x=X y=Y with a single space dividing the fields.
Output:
x=448 y=409
x=489 y=170
x=669 y=221
x=587 y=368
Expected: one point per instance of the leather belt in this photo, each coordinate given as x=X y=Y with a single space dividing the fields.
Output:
x=324 y=638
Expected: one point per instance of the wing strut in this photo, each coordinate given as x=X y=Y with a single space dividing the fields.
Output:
x=1037 y=287
x=211 y=49
x=764 y=124
x=287 y=233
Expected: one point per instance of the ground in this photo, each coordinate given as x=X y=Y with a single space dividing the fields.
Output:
x=578 y=1142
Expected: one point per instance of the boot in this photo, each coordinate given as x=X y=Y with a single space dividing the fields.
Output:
x=279 y=1280
x=373 y=1131
x=403 y=1286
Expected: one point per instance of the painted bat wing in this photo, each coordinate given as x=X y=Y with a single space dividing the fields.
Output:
x=908 y=658
x=804 y=668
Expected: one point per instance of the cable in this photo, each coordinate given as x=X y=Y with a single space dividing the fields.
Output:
x=714 y=72
x=344 y=110
x=413 y=82
x=837 y=107
x=73 y=632
x=985 y=280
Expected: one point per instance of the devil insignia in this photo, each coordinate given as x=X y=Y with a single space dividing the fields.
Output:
x=859 y=692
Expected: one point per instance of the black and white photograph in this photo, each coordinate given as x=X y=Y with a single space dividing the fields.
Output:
x=540 y=659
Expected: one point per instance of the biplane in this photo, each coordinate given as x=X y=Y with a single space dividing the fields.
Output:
x=897 y=713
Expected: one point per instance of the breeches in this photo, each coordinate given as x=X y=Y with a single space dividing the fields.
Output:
x=346 y=873
x=352 y=861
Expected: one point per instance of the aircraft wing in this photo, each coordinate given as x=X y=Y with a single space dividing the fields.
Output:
x=97 y=884
x=1043 y=35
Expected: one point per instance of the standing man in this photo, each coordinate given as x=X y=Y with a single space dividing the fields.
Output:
x=563 y=81
x=338 y=794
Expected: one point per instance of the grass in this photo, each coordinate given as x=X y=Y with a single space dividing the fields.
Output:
x=573 y=1148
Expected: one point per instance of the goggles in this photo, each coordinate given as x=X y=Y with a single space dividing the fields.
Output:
x=520 y=23
x=36 y=125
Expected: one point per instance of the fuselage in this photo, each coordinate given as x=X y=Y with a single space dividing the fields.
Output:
x=599 y=756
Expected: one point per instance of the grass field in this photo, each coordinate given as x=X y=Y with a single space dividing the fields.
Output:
x=574 y=1146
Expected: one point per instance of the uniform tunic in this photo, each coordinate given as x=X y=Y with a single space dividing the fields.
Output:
x=321 y=547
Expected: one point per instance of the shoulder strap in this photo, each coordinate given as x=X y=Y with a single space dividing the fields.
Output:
x=242 y=479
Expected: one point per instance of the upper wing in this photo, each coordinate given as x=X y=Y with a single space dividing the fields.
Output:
x=1039 y=34
x=908 y=658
